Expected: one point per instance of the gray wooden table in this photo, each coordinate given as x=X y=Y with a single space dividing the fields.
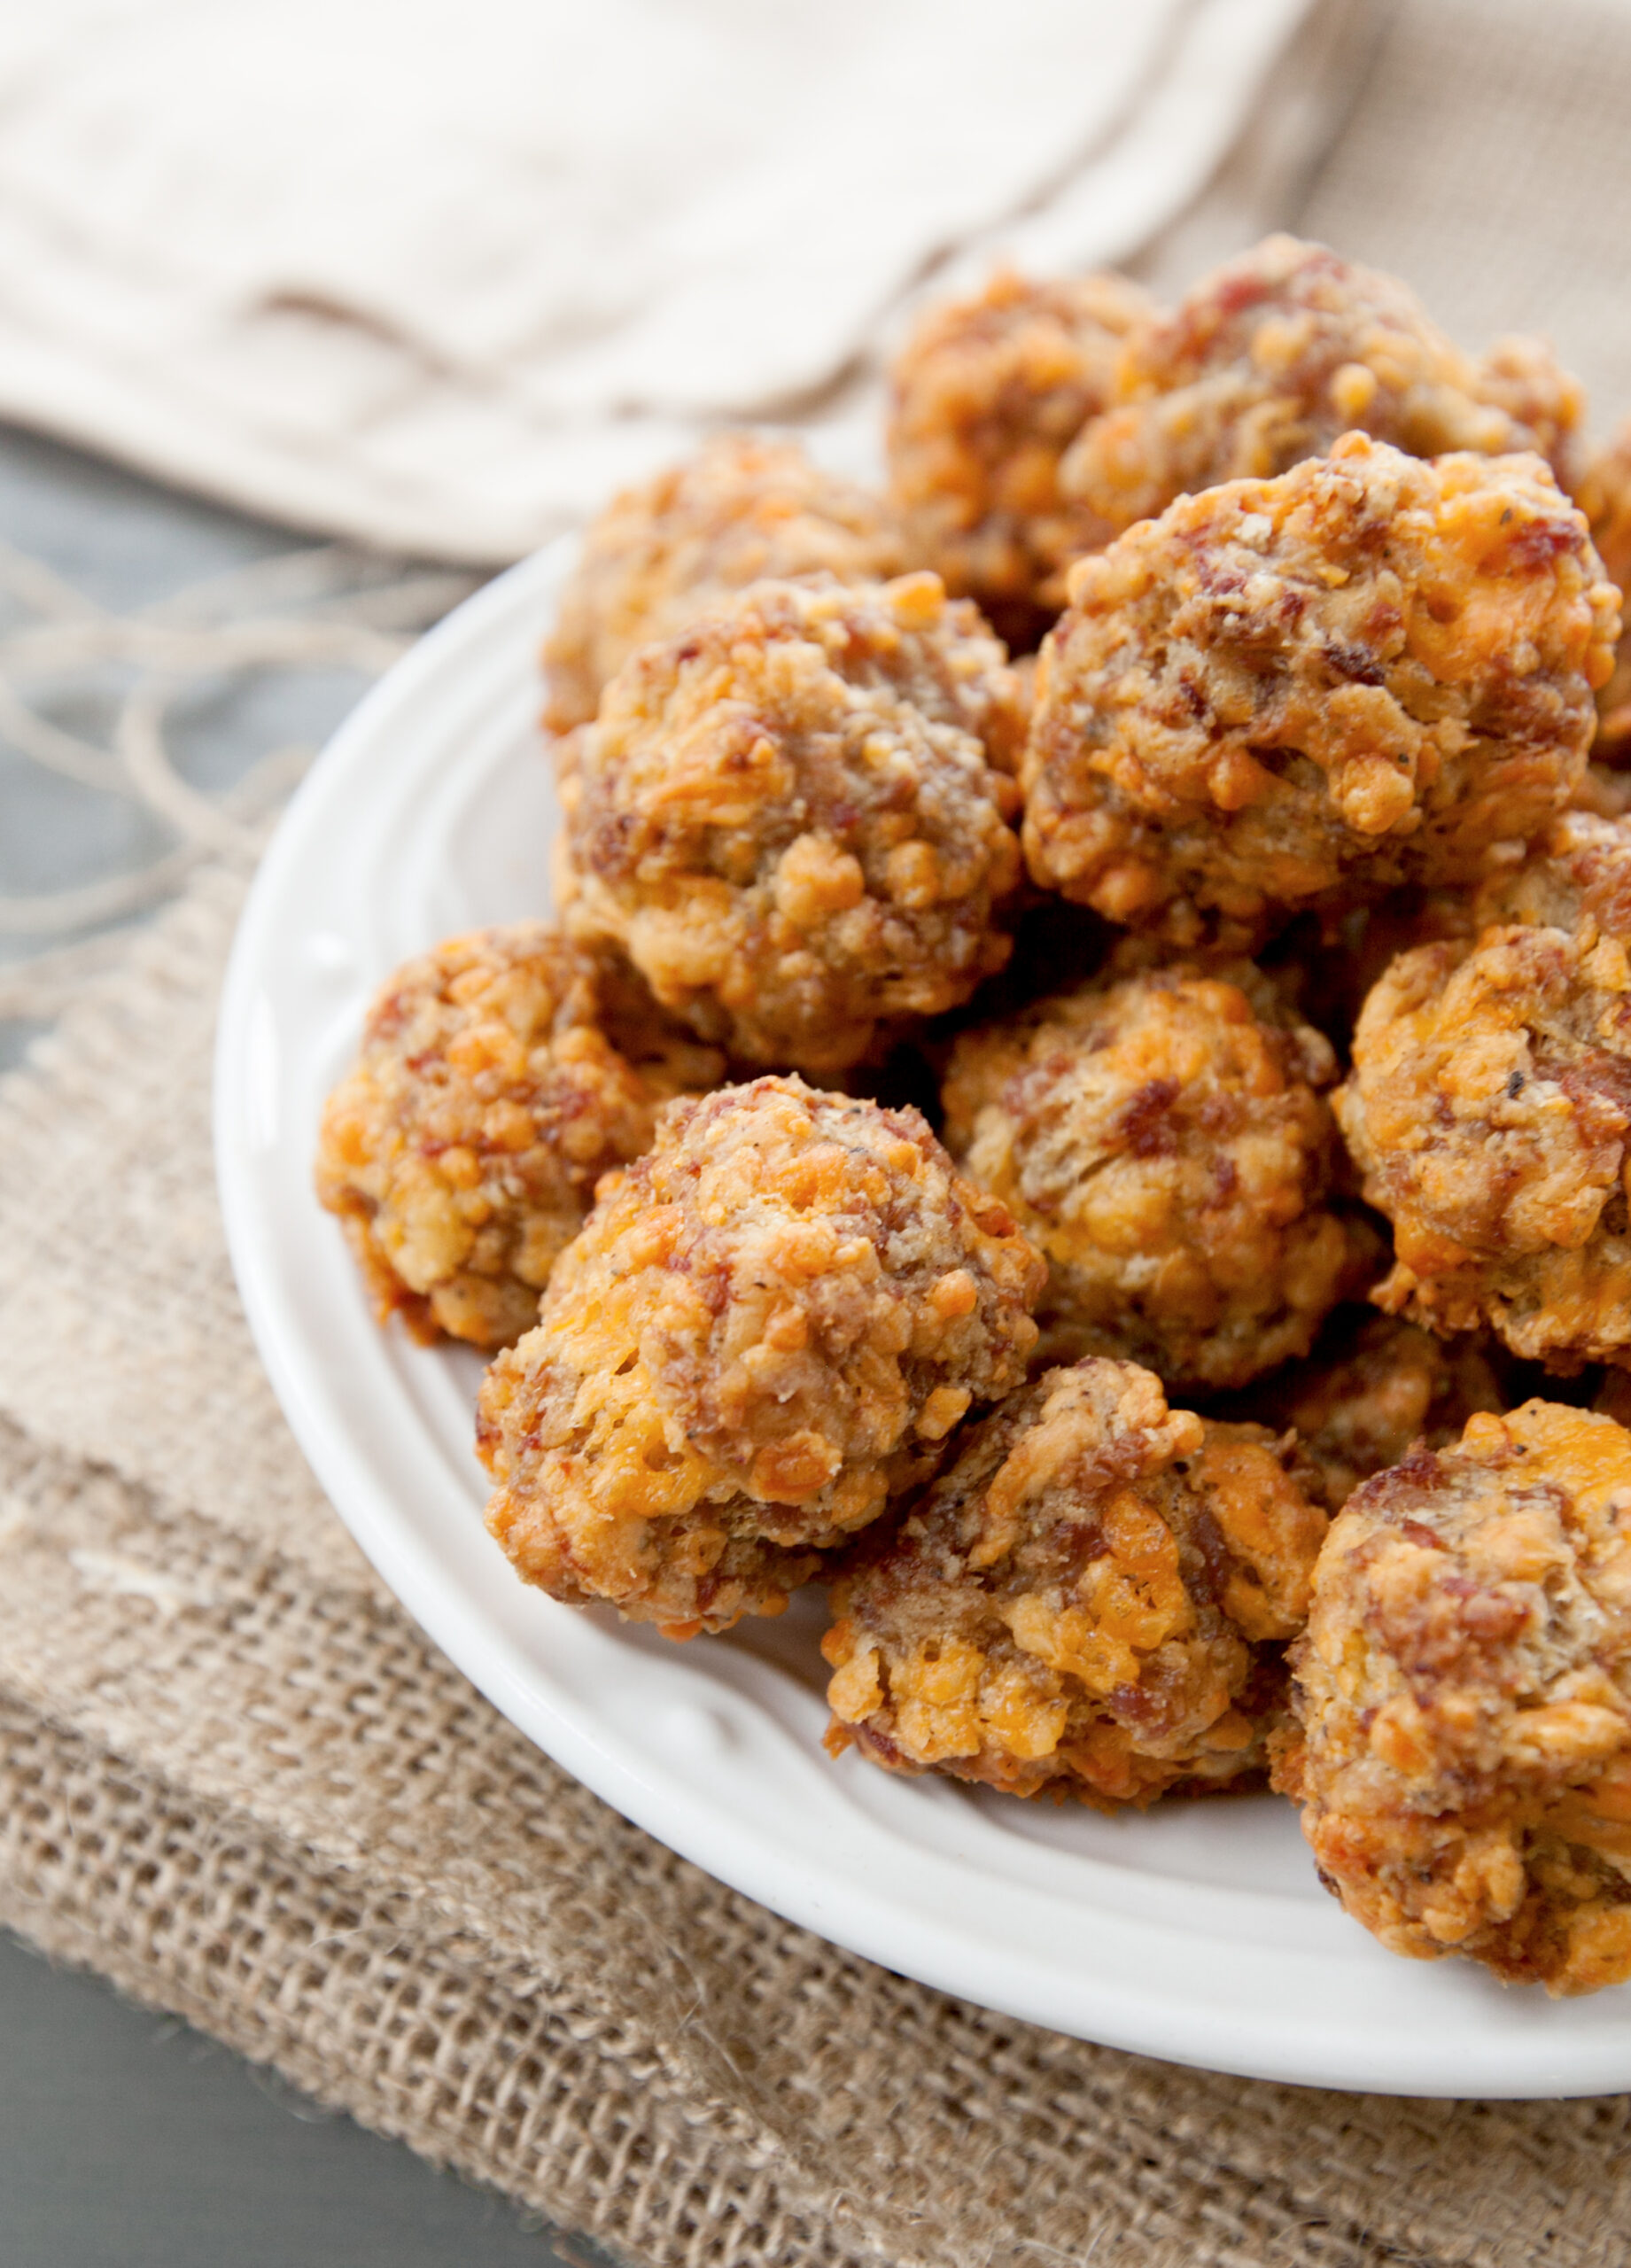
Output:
x=127 y=2140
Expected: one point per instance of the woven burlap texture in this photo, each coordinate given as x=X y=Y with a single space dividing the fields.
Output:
x=240 y=1781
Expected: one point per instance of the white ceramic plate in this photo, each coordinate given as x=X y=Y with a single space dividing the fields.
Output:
x=1197 y=1932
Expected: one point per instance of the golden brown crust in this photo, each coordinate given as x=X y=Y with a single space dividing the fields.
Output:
x=1374 y=1390
x=1522 y=375
x=767 y=1328
x=1087 y=1602
x=662 y=553
x=791 y=821
x=987 y=395
x=463 y=1150
x=1272 y=357
x=1489 y=1109
x=1463 y=1691
x=1309 y=690
x=1163 y=1141
x=1605 y=495
x=1576 y=877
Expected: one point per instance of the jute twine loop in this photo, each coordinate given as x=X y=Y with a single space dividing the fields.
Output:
x=326 y=606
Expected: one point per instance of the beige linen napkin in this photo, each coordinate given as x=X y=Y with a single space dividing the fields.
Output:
x=440 y=275
x=236 y=1778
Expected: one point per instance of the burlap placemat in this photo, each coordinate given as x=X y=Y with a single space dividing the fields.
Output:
x=236 y=1779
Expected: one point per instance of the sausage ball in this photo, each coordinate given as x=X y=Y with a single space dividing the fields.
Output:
x=1374 y=1388
x=1277 y=353
x=1489 y=1110
x=768 y=1327
x=660 y=555
x=987 y=395
x=1463 y=1694
x=1576 y=877
x=1604 y=496
x=1547 y=404
x=1163 y=1140
x=1308 y=691
x=490 y=1095
x=790 y=819
x=1087 y=1602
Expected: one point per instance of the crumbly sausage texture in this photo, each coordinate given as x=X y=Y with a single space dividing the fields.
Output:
x=1604 y=496
x=767 y=1329
x=1374 y=1390
x=987 y=395
x=1164 y=1141
x=1576 y=877
x=1489 y=1109
x=1273 y=355
x=1463 y=1693
x=660 y=555
x=1309 y=690
x=790 y=819
x=1087 y=1602
x=462 y=1151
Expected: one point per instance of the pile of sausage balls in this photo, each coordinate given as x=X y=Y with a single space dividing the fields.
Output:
x=1115 y=1159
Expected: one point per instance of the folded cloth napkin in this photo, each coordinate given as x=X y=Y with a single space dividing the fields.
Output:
x=236 y=1778
x=440 y=275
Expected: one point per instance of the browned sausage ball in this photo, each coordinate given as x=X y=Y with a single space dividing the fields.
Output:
x=768 y=1327
x=1463 y=1691
x=1489 y=1109
x=1521 y=374
x=988 y=393
x=1308 y=691
x=660 y=555
x=790 y=819
x=1164 y=1141
x=1604 y=496
x=491 y=1094
x=1273 y=355
x=1087 y=1602
x=1577 y=876
x=1372 y=1391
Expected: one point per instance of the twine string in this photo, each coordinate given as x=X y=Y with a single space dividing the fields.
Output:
x=318 y=607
